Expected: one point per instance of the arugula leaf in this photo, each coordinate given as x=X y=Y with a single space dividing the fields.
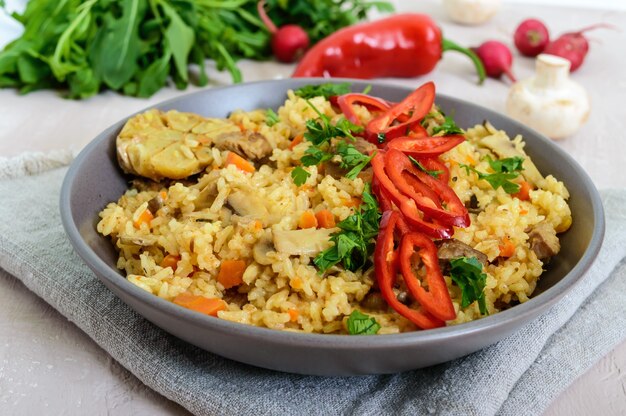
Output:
x=352 y=159
x=434 y=173
x=447 y=127
x=362 y=324
x=505 y=171
x=180 y=38
x=355 y=242
x=271 y=117
x=299 y=175
x=467 y=273
x=323 y=90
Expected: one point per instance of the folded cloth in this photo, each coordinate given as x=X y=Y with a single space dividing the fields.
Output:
x=524 y=371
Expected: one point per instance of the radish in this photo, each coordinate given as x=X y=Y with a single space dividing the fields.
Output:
x=496 y=58
x=289 y=42
x=531 y=37
x=573 y=46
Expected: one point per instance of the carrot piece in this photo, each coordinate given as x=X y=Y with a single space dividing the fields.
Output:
x=170 y=261
x=352 y=202
x=145 y=217
x=524 y=191
x=163 y=195
x=296 y=141
x=507 y=248
x=207 y=306
x=523 y=212
x=325 y=218
x=240 y=162
x=231 y=273
x=293 y=314
x=307 y=220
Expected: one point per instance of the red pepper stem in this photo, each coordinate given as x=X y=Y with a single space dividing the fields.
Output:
x=448 y=45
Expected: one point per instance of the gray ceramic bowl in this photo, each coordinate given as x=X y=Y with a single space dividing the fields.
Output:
x=94 y=180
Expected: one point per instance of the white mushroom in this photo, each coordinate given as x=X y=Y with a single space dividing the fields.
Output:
x=550 y=102
x=309 y=241
x=471 y=12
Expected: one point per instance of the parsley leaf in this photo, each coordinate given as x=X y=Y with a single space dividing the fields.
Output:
x=323 y=90
x=314 y=156
x=447 y=127
x=271 y=117
x=381 y=138
x=362 y=324
x=367 y=89
x=505 y=171
x=434 y=173
x=355 y=242
x=352 y=159
x=467 y=273
x=299 y=175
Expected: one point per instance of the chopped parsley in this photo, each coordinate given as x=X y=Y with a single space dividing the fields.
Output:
x=299 y=175
x=352 y=159
x=434 y=173
x=447 y=127
x=362 y=324
x=323 y=90
x=505 y=170
x=467 y=273
x=271 y=117
x=367 y=89
x=381 y=137
x=355 y=241
x=320 y=132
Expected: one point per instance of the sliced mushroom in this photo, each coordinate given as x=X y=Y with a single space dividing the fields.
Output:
x=253 y=146
x=503 y=147
x=309 y=241
x=146 y=241
x=543 y=240
x=452 y=249
x=246 y=203
x=260 y=250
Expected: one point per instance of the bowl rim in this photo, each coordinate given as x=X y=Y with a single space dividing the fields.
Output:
x=334 y=341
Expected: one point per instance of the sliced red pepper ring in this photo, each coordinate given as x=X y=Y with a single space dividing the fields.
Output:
x=425 y=146
x=384 y=201
x=445 y=207
x=386 y=266
x=415 y=106
x=406 y=205
x=436 y=300
x=346 y=102
x=436 y=167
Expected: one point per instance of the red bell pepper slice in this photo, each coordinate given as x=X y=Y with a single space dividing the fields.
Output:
x=384 y=201
x=408 y=113
x=345 y=103
x=431 y=196
x=433 y=164
x=436 y=300
x=425 y=146
x=407 y=205
x=386 y=268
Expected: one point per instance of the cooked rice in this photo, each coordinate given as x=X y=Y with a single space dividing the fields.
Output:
x=204 y=234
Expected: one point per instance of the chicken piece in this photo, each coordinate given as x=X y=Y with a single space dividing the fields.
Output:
x=452 y=249
x=170 y=145
x=309 y=241
x=543 y=240
x=250 y=145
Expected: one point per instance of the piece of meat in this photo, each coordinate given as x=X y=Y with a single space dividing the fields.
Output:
x=543 y=240
x=452 y=249
x=363 y=146
x=473 y=206
x=374 y=301
x=250 y=145
x=333 y=169
x=366 y=175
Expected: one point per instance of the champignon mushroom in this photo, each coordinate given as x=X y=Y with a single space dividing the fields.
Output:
x=261 y=249
x=309 y=241
x=247 y=203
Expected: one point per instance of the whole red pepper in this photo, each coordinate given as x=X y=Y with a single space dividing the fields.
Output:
x=403 y=45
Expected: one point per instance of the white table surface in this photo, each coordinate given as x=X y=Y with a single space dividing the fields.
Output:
x=47 y=364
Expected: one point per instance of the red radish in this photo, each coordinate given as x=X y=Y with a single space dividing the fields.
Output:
x=573 y=46
x=531 y=37
x=497 y=59
x=289 y=42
